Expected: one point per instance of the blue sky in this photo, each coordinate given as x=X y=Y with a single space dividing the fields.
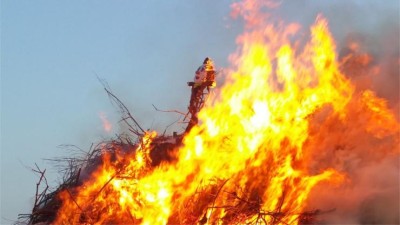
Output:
x=51 y=52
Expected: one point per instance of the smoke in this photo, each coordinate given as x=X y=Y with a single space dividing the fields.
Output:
x=368 y=50
x=369 y=196
x=369 y=31
x=366 y=153
x=371 y=193
x=367 y=39
x=373 y=25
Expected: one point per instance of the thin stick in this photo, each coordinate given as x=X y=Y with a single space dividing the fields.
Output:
x=72 y=197
x=124 y=107
x=216 y=196
x=173 y=111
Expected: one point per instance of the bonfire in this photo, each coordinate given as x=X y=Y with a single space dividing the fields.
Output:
x=259 y=149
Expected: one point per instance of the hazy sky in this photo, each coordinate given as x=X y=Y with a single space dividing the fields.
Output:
x=51 y=52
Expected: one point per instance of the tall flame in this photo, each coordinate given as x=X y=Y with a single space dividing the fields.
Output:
x=253 y=149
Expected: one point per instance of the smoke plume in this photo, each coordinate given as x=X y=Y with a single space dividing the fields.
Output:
x=367 y=39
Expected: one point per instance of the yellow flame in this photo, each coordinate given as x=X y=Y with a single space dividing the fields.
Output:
x=249 y=150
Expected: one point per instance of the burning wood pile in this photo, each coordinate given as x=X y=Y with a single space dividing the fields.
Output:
x=117 y=154
x=275 y=132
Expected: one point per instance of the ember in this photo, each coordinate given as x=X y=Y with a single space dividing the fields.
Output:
x=253 y=156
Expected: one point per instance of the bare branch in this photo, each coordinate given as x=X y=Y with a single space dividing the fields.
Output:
x=123 y=109
x=168 y=111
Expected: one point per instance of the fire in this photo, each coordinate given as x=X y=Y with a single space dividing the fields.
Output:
x=107 y=126
x=250 y=160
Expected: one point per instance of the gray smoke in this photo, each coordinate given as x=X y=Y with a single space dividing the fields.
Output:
x=373 y=24
x=367 y=39
x=367 y=33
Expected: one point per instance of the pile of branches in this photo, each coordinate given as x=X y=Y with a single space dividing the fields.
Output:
x=76 y=168
x=241 y=207
x=76 y=171
x=46 y=202
x=197 y=209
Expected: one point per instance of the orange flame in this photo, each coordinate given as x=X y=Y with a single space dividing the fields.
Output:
x=252 y=150
x=106 y=124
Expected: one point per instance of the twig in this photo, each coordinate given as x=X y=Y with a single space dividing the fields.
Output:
x=125 y=109
x=170 y=125
x=121 y=105
x=173 y=111
x=72 y=197
x=104 y=186
x=39 y=197
x=216 y=196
